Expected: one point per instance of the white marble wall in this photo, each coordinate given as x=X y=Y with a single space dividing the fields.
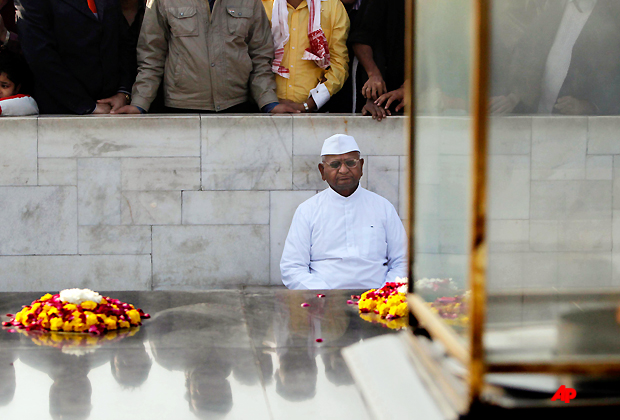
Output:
x=174 y=202
x=190 y=202
x=554 y=194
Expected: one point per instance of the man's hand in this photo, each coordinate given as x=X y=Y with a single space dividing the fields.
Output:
x=568 y=105
x=102 y=109
x=300 y=107
x=286 y=108
x=128 y=109
x=503 y=104
x=389 y=98
x=378 y=113
x=374 y=87
x=116 y=102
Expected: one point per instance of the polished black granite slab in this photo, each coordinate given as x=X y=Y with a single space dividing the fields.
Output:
x=251 y=353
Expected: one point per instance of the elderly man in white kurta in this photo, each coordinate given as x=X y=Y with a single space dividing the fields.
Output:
x=345 y=237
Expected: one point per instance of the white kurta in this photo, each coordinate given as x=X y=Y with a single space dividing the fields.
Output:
x=336 y=242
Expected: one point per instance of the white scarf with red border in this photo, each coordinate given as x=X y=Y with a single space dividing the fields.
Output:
x=319 y=49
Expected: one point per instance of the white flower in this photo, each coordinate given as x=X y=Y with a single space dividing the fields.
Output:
x=435 y=283
x=77 y=296
x=78 y=350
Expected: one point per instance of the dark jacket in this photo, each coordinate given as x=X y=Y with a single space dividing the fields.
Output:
x=76 y=57
x=381 y=25
x=8 y=15
x=133 y=32
x=594 y=72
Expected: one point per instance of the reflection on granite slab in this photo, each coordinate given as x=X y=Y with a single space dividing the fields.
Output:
x=233 y=354
x=278 y=319
x=311 y=383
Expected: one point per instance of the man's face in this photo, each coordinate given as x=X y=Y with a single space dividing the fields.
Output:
x=7 y=88
x=345 y=178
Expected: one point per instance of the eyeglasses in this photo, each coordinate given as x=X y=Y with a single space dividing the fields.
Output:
x=351 y=163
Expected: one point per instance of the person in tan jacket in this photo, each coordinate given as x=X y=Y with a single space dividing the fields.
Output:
x=213 y=55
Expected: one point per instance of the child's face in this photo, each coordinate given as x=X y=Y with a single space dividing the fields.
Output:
x=7 y=88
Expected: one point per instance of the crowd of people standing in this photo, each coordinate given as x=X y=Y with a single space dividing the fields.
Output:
x=296 y=56
x=237 y=56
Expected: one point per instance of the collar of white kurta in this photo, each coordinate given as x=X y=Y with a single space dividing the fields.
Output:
x=357 y=193
x=319 y=49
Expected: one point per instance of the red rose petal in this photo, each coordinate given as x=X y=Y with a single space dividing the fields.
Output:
x=320 y=295
x=6 y=324
x=319 y=340
x=10 y=315
x=350 y=302
x=305 y=305
x=94 y=330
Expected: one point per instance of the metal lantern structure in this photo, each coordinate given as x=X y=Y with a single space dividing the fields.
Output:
x=459 y=147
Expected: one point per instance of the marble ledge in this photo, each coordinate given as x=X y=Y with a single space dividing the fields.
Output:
x=107 y=136
x=374 y=138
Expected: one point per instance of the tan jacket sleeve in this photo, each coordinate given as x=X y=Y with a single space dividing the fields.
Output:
x=339 y=65
x=152 y=51
x=260 y=49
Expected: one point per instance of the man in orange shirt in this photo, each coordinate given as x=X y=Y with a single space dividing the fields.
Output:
x=311 y=58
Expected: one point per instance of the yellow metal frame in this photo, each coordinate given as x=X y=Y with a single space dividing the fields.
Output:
x=472 y=353
x=478 y=250
x=410 y=11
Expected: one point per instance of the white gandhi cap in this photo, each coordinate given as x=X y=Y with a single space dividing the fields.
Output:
x=339 y=144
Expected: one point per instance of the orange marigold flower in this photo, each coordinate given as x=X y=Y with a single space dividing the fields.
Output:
x=134 y=316
x=110 y=323
x=78 y=326
x=367 y=305
x=56 y=324
x=91 y=319
x=89 y=305
x=21 y=316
